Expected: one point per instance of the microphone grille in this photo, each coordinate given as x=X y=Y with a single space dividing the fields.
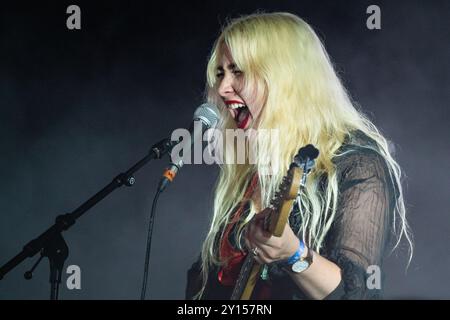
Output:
x=208 y=114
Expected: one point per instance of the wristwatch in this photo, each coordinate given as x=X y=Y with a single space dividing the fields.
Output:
x=300 y=263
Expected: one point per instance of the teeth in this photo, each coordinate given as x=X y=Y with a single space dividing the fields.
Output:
x=235 y=105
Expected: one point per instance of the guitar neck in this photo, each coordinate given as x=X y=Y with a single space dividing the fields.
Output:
x=244 y=277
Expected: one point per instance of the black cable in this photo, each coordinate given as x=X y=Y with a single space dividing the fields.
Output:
x=149 y=244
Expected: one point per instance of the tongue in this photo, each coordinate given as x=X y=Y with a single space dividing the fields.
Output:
x=242 y=115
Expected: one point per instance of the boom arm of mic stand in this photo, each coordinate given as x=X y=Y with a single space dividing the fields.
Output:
x=65 y=221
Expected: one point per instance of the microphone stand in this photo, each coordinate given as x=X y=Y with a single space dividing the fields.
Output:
x=51 y=243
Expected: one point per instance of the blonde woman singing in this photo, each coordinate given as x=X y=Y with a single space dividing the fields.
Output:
x=271 y=71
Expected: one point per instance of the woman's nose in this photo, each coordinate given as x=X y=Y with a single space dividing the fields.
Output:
x=226 y=87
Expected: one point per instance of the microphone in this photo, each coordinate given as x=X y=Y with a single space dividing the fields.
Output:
x=207 y=115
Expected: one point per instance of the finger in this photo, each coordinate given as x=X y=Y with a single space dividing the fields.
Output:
x=262 y=247
x=256 y=233
x=260 y=216
x=261 y=257
x=250 y=233
x=260 y=234
x=249 y=245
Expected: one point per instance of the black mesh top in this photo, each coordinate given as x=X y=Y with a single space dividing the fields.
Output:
x=358 y=238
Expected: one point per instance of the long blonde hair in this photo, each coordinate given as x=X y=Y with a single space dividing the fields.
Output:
x=307 y=103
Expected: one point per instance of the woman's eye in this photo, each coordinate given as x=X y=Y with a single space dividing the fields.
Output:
x=219 y=74
x=237 y=72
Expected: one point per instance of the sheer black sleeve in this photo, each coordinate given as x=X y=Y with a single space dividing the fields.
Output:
x=360 y=232
x=361 y=229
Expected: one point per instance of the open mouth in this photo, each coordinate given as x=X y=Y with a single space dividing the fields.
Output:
x=240 y=113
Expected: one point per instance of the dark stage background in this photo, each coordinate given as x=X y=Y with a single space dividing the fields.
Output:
x=78 y=107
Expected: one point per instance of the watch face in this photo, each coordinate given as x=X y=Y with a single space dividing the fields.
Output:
x=300 y=265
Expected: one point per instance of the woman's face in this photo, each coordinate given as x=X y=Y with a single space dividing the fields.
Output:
x=244 y=101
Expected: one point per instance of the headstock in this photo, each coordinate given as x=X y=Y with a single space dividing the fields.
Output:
x=282 y=201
